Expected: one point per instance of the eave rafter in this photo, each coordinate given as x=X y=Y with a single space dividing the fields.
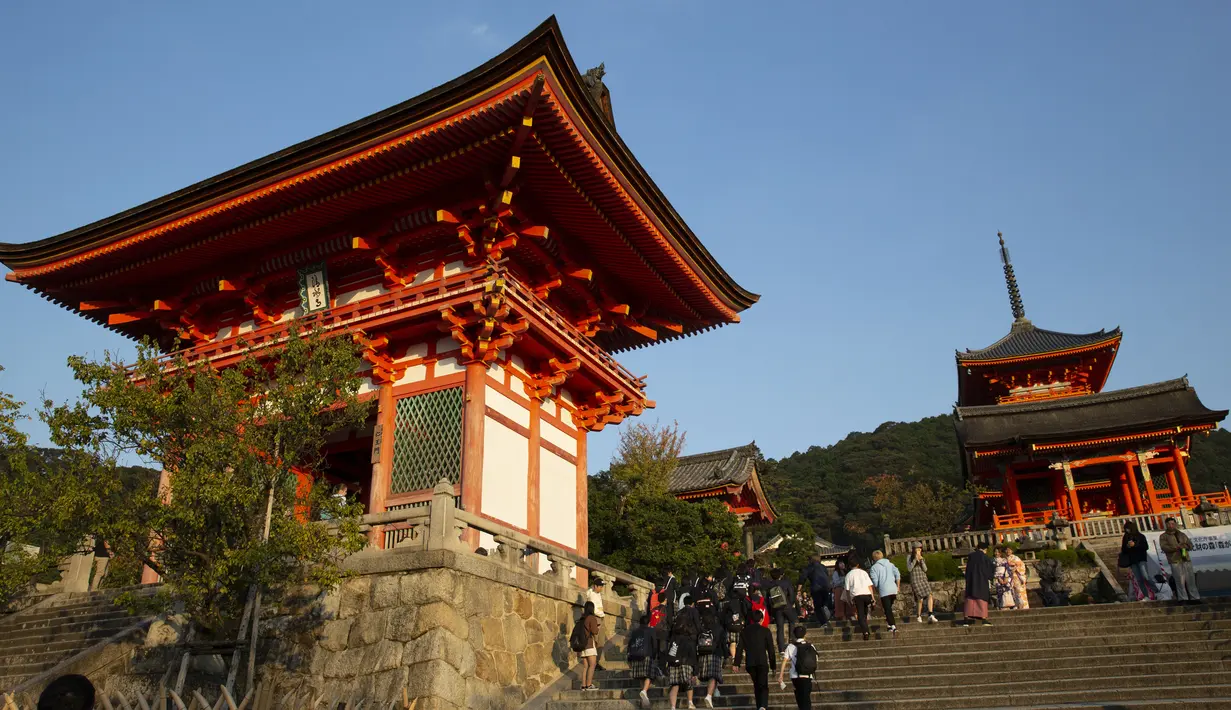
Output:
x=608 y=408
x=486 y=329
x=555 y=374
x=376 y=350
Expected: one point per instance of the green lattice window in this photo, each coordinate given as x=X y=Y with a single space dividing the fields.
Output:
x=427 y=442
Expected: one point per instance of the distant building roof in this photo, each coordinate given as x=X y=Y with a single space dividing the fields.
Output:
x=1025 y=339
x=700 y=472
x=730 y=474
x=1137 y=410
x=824 y=547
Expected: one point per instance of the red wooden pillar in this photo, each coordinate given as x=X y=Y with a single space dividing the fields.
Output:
x=474 y=412
x=1058 y=496
x=1014 y=501
x=1174 y=487
x=1130 y=505
x=1179 y=466
x=532 y=475
x=1148 y=480
x=1072 y=489
x=1138 y=501
x=382 y=460
x=583 y=506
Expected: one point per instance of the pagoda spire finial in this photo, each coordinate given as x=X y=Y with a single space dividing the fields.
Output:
x=1015 y=296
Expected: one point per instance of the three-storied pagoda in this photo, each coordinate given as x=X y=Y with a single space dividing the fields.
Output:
x=490 y=243
x=1040 y=436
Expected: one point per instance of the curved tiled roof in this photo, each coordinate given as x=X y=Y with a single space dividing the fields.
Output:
x=700 y=472
x=1026 y=339
x=1152 y=407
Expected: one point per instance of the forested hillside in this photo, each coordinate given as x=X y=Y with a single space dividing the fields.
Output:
x=826 y=484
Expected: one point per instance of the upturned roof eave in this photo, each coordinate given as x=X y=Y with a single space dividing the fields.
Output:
x=545 y=40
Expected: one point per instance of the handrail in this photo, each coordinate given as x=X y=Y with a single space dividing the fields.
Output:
x=951 y=542
x=440 y=525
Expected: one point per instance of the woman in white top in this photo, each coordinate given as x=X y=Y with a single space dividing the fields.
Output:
x=859 y=589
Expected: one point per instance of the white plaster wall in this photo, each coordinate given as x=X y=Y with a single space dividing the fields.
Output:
x=501 y=403
x=445 y=345
x=506 y=474
x=557 y=499
x=448 y=367
x=358 y=295
x=414 y=373
x=550 y=433
x=454 y=267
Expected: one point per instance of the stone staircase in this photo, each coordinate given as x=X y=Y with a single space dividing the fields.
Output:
x=37 y=639
x=1145 y=655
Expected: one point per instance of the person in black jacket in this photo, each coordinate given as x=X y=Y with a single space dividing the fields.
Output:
x=815 y=578
x=682 y=651
x=785 y=615
x=1133 y=550
x=710 y=660
x=757 y=646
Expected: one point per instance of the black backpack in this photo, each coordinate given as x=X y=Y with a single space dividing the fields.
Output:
x=719 y=590
x=705 y=643
x=579 y=639
x=639 y=647
x=805 y=659
x=685 y=624
x=735 y=618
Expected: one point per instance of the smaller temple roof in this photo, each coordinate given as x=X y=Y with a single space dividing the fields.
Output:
x=1137 y=410
x=1025 y=339
x=728 y=467
x=824 y=547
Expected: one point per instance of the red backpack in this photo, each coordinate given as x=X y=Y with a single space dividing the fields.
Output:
x=760 y=606
x=657 y=616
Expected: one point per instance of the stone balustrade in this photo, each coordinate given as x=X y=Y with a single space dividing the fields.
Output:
x=952 y=542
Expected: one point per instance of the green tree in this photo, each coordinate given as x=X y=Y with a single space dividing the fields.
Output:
x=798 y=543
x=637 y=526
x=910 y=509
x=45 y=511
x=231 y=440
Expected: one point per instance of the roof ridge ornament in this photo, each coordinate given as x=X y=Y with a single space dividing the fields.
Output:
x=599 y=93
x=1015 y=295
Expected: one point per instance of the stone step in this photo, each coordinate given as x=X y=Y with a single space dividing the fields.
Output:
x=879 y=689
x=91 y=616
x=1196 y=696
x=919 y=655
x=1079 y=613
x=64 y=632
x=941 y=675
x=953 y=633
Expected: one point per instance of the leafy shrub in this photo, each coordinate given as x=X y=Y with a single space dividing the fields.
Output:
x=1080 y=599
x=942 y=566
x=1070 y=558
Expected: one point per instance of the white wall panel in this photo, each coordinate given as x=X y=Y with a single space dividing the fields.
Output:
x=557 y=499
x=506 y=477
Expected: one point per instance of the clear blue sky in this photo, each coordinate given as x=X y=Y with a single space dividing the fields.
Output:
x=849 y=161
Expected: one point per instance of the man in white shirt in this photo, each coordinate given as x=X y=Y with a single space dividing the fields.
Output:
x=801 y=682
x=595 y=594
x=859 y=586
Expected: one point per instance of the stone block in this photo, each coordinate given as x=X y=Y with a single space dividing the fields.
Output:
x=506 y=667
x=476 y=633
x=535 y=632
x=333 y=634
x=523 y=605
x=484 y=695
x=493 y=634
x=440 y=615
x=514 y=634
x=385 y=591
x=433 y=585
x=440 y=645
x=402 y=623
x=382 y=656
x=345 y=664
x=544 y=609
x=320 y=660
x=485 y=666
x=355 y=593
x=531 y=686
x=387 y=685
x=368 y=628
x=478 y=596
x=437 y=680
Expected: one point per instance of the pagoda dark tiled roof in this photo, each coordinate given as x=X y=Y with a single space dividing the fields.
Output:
x=1025 y=339
x=700 y=472
x=1154 y=407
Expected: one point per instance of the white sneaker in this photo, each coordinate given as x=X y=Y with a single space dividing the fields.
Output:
x=645 y=699
x=932 y=619
x=709 y=702
x=893 y=628
x=692 y=707
x=918 y=619
x=717 y=693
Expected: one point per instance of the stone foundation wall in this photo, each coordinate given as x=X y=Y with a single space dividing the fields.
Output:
x=456 y=630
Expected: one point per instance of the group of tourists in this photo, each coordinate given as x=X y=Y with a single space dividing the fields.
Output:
x=1134 y=557
x=696 y=628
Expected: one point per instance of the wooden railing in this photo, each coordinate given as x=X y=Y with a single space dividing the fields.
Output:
x=1114 y=527
x=441 y=525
